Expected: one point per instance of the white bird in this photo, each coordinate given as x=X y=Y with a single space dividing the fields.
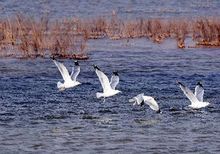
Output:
x=141 y=99
x=108 y=87
x=195 y=99
x=199 y=91
x=69 y=80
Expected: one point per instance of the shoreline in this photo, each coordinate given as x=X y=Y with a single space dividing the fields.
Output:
x=68 y=38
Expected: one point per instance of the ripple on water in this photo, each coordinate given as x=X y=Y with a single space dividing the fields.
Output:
x=35 y=117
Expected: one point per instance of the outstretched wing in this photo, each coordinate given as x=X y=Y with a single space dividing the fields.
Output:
x=75 y=71
x=103 y=79
x=63 y=71
x=137 y=99
x=114 y=80
x=199 y=91
x=189 y=94
x=151 y=102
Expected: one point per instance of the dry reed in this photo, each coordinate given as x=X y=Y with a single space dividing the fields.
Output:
x=68 y=38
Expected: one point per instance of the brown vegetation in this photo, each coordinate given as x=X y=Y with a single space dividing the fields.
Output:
x=68 y=38
x=30 y=38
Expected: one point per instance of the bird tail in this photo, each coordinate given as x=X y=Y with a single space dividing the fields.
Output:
x=99 y=95
x=59 y=85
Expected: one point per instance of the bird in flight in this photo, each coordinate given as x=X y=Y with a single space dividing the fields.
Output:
x=141 y=99
x=107 y=86
x=69 y=79
x=196 y=99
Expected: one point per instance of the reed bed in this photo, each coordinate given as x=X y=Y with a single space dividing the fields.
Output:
x=67 y=38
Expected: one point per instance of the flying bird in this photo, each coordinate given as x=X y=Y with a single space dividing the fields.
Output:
x=199 y=91
x=196 y=99
x=107 y=86
x=69 y=79
x=141 y=99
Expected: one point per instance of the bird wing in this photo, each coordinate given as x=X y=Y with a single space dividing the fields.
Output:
x=151 y=102
x=114 y=81
x=137 y=99
x=103 y=80
x=199 y=92
x=189 y=94
x=63 y=70
x=75 y=72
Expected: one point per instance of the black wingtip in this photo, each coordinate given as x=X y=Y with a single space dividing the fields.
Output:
x=142 y=103
x=115 y=73
x=96 y=67
x=53 y=58
x=199 y=84
x=76 y=63
x=158 y=111
x=178 y=82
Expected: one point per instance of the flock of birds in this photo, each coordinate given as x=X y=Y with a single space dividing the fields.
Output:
x=70 y=80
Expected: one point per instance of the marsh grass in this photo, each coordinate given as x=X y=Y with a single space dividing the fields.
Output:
x=67 y=38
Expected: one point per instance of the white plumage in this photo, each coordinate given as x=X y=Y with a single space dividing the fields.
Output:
x=108 y=87
x=141 y=99
x=195 y=99
x=69 y=80
x=199 y=91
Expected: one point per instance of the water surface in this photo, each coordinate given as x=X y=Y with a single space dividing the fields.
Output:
x=127 y=9
x=36 y=117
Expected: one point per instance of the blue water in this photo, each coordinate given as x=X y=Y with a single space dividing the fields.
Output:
x=125 y=8
x=36 y=117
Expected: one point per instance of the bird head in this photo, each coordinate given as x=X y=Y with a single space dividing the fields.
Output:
x=115 y=73
x=76 y=63
x=142 y=103
x=53 y=58
x=159 y=111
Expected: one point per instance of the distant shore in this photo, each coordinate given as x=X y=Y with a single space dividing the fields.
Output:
x=67 y=38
